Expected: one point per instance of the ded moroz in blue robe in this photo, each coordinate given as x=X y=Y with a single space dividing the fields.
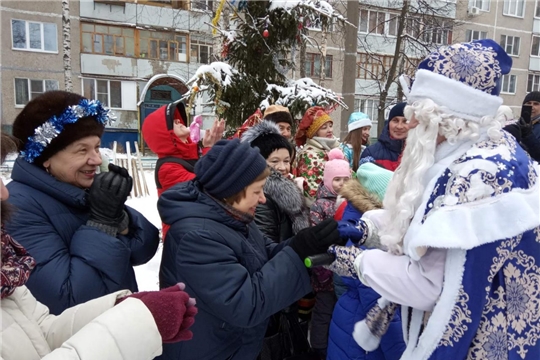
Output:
x=485 y=209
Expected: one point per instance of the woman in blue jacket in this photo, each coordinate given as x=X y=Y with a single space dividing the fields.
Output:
x=354 y=304
x=238 y=276
x=387 y=150
x=71 y=220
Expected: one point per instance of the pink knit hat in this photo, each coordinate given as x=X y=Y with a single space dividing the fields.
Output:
x=336 y=166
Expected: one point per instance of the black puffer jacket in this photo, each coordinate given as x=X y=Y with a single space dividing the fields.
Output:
x=285 y=211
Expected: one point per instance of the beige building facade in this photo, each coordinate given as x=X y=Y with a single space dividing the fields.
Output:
x=31 y=59
x=511 y=23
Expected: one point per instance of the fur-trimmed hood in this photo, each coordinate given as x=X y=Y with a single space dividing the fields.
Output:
x=359 y=197
x=289 y=199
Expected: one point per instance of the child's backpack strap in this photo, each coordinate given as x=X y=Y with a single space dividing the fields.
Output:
x=189 y=165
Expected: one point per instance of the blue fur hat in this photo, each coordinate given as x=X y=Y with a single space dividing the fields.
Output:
x=465 y=78
x=229 y=167
x=358 y=120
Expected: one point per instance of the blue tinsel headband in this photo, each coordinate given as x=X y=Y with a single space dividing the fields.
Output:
x=44 y=134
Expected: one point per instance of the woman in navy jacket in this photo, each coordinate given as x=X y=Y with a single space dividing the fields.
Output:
x=238 y=276
x=71 y=220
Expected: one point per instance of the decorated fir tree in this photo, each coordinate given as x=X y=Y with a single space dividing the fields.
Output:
x=257 y=59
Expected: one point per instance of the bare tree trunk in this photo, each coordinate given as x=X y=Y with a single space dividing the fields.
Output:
x=349 y=64
x=226 y=18
x=392 y=72
x=66 y=44
x=303 y=47
x=401 y=71
x=324 y=41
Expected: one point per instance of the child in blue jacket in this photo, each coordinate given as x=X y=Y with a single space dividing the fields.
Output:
x=352 y=307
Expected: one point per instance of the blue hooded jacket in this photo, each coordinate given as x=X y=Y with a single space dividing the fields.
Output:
x=74 y=262
x=238 y=276
x=387 y=151
x=358 y=299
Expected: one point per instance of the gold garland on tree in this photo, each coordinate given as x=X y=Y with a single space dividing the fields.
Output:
x=218 y=90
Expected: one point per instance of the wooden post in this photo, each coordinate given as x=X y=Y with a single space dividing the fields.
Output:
x=139 y=163
x=114 y=153
x=128 y=152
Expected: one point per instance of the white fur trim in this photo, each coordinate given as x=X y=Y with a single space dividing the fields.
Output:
x=470 y=225
x=436 y=326
x=364 y=338
x=358 y=267
x=405 y=82
x=405 y=312
x=460 y=99
x=414 y=332
x=359 y=124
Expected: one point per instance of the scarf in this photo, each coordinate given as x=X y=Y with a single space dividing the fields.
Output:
x=234 y=213
x=16 y=265
x=289 y=199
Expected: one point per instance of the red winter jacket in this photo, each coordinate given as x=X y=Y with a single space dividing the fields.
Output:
x=158 y=133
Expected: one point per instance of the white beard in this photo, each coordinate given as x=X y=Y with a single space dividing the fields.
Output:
x=404 y=194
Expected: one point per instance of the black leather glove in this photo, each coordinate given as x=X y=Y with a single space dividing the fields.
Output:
x=316 y=240
x=526 y=129
x=107 y=196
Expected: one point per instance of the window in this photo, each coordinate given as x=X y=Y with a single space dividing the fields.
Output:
x=533 y=83
x=316 y=24
x=168 y=46
x=34 y=36
x=201 y=51
x=370 y=107
x=377 y=22
x=510 y=44
x=375 y=66
x=27 y=89
x=514 y=8
x=109 y=92
x=509 y=84
x=161 y=95
x=202 y=5
x=535 y=47
x=481 y=4
x=313 y=65
x=108 y=40
x=437 y=31
x=413 y=26
x=537 y=10
x=471 y=35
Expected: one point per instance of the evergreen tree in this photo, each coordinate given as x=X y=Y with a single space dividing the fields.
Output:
x=257 y=60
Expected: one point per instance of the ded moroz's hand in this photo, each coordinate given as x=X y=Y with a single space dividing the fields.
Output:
x=344 y=263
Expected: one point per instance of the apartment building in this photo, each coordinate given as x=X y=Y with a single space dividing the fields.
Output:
x=377 y=35
x=512 y=23
x=137 y=55
x=32 y=57
x=132 y=55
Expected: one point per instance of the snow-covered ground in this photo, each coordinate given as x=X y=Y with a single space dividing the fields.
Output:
x=147 y=274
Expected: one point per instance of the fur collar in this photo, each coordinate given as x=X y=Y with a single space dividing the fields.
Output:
x=289 y=199
x=359 y=197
